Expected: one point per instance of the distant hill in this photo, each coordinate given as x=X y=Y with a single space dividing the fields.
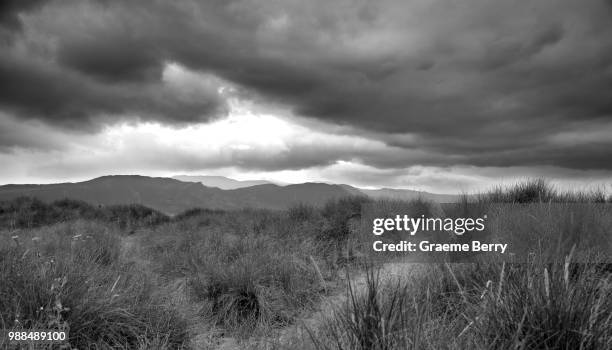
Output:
x=408 y=195
x=172 y=196
x=222 y=182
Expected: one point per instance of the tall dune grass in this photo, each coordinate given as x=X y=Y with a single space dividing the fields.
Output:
x=252 y=269
x=477 y=307
x=69 y=276
x=540 y=191
x=539 y=304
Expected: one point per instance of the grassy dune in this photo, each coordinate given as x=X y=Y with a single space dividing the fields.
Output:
x=129 y=277
x=108 y=274
x=69 y=275
x=538 y=304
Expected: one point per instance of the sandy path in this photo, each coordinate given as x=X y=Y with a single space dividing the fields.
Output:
x=292 y=336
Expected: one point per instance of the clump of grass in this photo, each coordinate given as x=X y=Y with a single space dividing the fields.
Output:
x=54 y=278
x=371 y=319
x=252 y=269
x=256 y=287
x=478 y=306
x=547 y=307
x=540 y=191
x=530 y=191
x=253 y=294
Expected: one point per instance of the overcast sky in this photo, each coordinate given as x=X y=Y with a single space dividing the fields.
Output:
x=438 y=95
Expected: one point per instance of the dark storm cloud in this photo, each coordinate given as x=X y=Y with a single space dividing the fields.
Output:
x=10 y=10
x=96 y=74
x=112 y=59
x=476 y=82
x=36 y=90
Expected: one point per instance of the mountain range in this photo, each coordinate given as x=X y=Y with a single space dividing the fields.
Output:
x=222 y=182
x=172 y=196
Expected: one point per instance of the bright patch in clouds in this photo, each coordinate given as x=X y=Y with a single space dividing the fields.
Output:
x=248 y=142
x=242 y=132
